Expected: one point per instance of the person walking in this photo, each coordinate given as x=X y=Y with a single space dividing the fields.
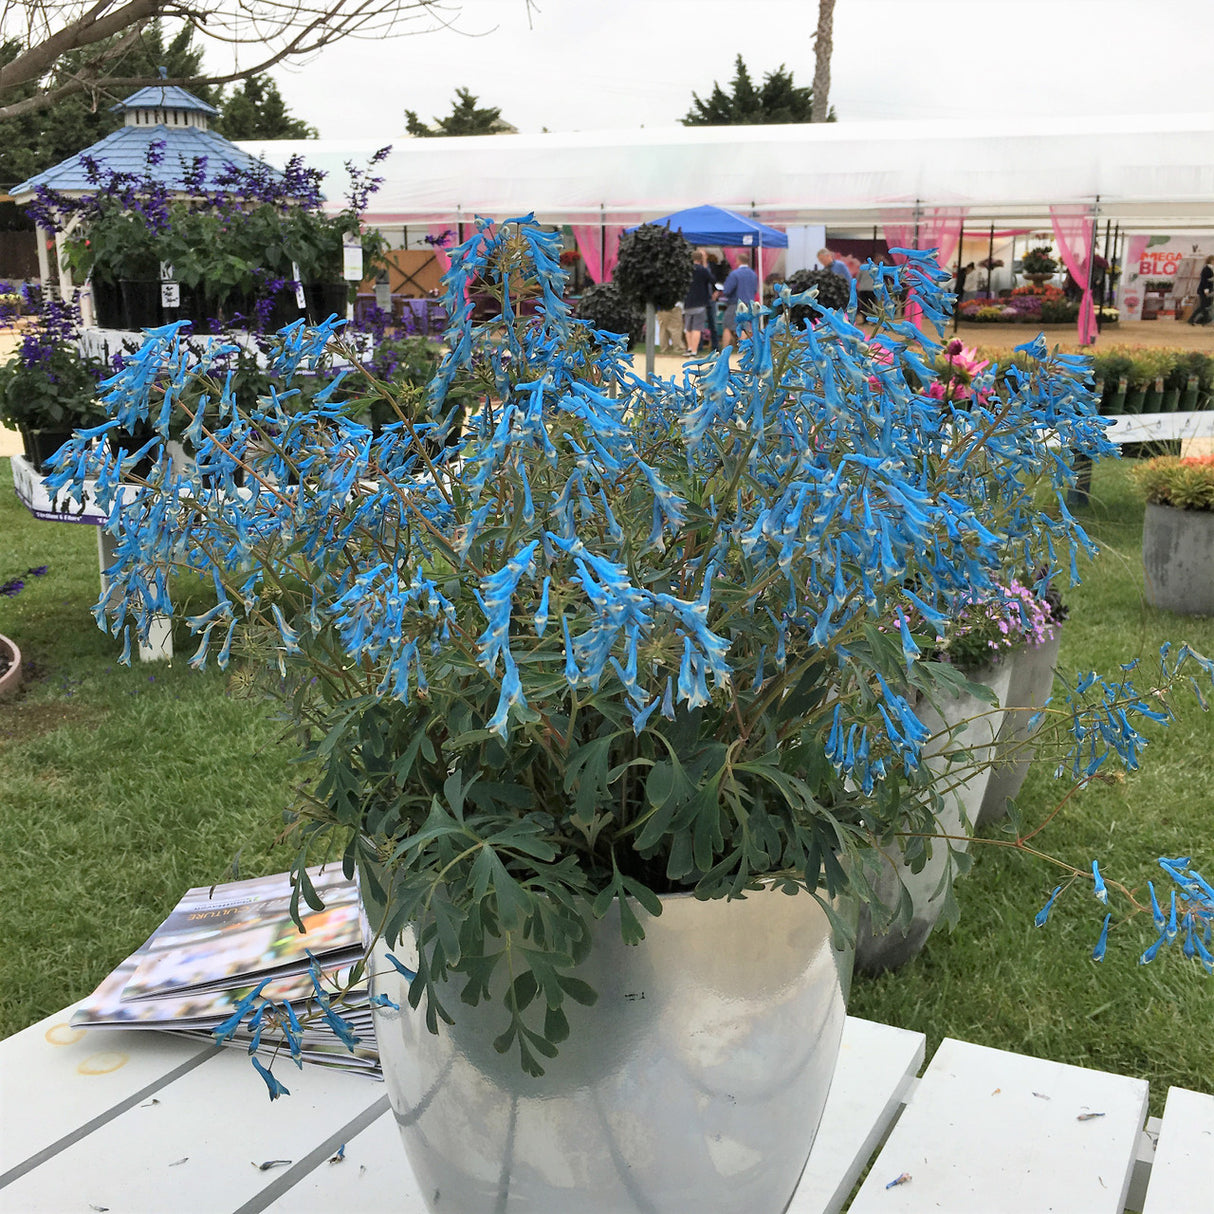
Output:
x=1205 y=294
x=741 y=286
x=697 y=303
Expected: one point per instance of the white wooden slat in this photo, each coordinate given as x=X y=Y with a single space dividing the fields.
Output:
x=56 y=1079
x=990 y=1131
x=374 y=1175
x=1155 y=427
x=877 y=1063
x=197 y=1149
x=1181 y=1174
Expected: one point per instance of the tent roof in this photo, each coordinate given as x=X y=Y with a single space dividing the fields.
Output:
x=716 y=226
x=1152 y=172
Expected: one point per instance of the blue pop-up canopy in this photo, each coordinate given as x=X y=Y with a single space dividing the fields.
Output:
x=717 y=226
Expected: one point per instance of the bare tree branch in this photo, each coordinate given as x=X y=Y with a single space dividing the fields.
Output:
x=280 y=30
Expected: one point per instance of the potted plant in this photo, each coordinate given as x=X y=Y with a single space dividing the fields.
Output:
x=1038 y=265
x=1178 y=533
x=610 y=703
x=48 y=388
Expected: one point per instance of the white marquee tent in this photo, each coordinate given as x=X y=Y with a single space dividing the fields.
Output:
x=1149 y=173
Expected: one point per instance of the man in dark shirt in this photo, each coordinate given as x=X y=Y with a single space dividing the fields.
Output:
x=697 y=303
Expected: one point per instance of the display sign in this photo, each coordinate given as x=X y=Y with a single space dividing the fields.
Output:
x=1154 y=259
x=300 y=302
x=352 y=259
x=170 y=295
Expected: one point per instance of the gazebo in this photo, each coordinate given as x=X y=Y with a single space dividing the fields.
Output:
x=159 y=114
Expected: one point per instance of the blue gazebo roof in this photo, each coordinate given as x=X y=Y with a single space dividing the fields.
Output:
x=160 y=113
x=163 y=96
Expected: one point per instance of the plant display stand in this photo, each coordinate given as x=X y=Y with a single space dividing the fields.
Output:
x=36 y=498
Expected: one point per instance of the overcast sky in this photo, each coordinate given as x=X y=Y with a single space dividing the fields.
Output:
x=596 y=64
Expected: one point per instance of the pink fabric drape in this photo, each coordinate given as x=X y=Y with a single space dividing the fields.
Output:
x=592 y=239
x=1073 y=227
x=939 y=228
x=437 y=230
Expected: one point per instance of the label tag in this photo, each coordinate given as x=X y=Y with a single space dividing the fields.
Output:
x=166 y=271
x=300 y=302
x=352 y=259
x=170 y=295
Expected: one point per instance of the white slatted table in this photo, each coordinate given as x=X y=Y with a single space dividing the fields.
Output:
x=145 y=1123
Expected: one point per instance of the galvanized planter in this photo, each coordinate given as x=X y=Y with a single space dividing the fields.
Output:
x=696 y=1082
x=1178 y=559
x=890 y=872
x=1032 y=669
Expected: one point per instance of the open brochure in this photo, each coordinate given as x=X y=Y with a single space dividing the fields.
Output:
x=220 y=942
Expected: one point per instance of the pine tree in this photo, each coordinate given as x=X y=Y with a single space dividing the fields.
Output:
x=777 y=99
x=466 y=118
x=256 y=110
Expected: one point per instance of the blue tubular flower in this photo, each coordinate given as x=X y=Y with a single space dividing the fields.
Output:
x=541 y=615
x=401 y=968
x=1156 y=912
x=1098 y=884
x=1102 y=942
x=276 y=1089
x=1044 y=913
x=497 y=601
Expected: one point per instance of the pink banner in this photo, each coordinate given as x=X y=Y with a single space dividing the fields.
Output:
x=1073 y=227
x=938 y=228
x=592 y=241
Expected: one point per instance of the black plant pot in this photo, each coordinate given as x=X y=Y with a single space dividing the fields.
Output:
x=140 y=303
x=107 y=304
x=194 y=305
x=324 y=299
x=283 y=311
x=41 y=444
x=131 y=442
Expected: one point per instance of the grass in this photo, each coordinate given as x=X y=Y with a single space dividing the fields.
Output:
x=1000 y=981
x=119 y=788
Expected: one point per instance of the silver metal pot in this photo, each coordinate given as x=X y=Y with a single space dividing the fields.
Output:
x=696 y=1082
x=964 y=724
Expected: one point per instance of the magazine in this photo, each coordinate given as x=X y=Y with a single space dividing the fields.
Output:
x=220 y=942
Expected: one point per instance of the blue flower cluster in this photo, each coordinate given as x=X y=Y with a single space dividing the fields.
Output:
x=820 y=475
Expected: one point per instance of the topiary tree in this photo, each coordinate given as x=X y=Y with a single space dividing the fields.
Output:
x=604 y=305
x=654 y=271
x=834 y=291
x=654 y=267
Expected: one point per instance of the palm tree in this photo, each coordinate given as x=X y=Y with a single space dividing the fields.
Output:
x=823 y=44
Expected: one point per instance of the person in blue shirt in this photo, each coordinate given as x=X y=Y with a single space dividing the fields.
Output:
x=741 y=286
x=834 y=263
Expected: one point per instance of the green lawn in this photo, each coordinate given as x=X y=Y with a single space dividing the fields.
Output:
x=121 y=787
